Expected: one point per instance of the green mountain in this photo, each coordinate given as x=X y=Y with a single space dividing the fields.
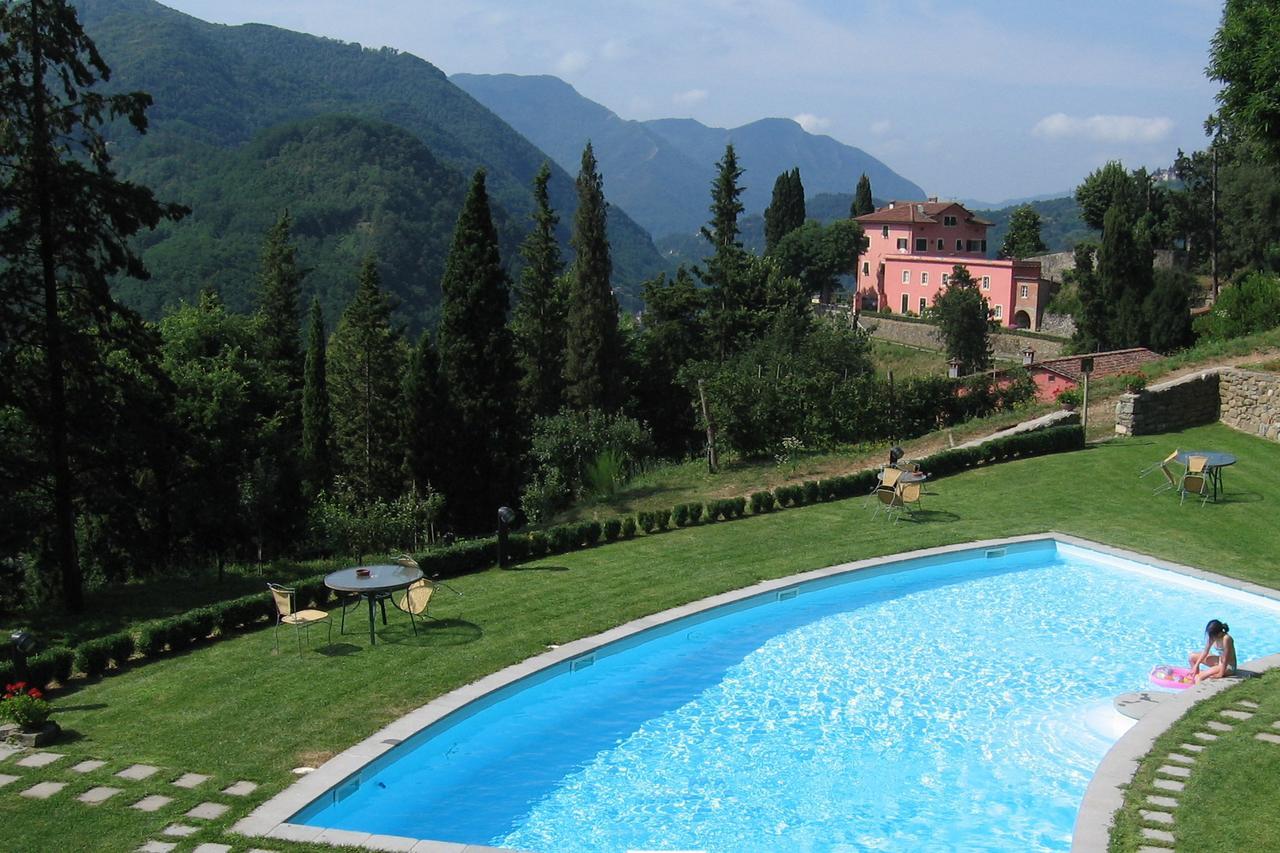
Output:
x=228 y=100
x=1061 y=226
x=660 y=171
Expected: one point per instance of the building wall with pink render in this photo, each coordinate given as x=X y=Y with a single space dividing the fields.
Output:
x=920 y=279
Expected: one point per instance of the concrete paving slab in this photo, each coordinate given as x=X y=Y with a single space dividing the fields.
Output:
x=1162 y=802
x=1156 y=817
x=438 y=847
x=295 y=832
x=240 y=789
x=260 y=850
x=180 y=830
x=87 y=766
x=1247 y=703
x=343 y=837
x=97 y=795
x=1147 y=848
x=208 y=811
x=190 y=780
x=1180 y=758
x=43 y=790
x=213 y=848
x=1218 y=726
x=1205 y=736
x=1191 y=747
x=6 y=751
x=1158 y=835
x=391 y=843
x=157 y=847
x=5 y=779
x=39 y=759
x=153 y=803
x=1268 y=737
x=1233 y=714
x=138 y=772
x=1174 y=770
x=1168 y=784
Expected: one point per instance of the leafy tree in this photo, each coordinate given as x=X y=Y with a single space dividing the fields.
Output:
x=564 y=448
x=964 y=321
x=365 y=361
x=786 y=211
x=1244 y=59
x=1095 y=304
x=862 y=202
x=1101 y=189
x=1168 y=310
x=1250 y=305
x=65 y=228
x=538 y=321
x=317 y=427
x=818 y=254
x=672 y=335
x=477 y=356
x=593 y=350
x=1125 y=275
x=426 y=436
x=1023 y=237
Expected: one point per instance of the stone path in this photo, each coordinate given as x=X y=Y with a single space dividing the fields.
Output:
x=123 y=792
x=1178 y=766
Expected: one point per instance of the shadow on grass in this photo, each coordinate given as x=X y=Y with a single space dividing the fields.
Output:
x=338 y=650
x=528 y=568
x=433 y=633
x=91 y=706
x=932 y=516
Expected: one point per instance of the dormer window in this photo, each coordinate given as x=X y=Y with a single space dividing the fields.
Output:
x=949 y=221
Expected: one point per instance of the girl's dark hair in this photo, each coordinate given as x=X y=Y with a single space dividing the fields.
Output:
x=1216 y=628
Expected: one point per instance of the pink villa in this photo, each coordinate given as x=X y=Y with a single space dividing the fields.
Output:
x=913 y=246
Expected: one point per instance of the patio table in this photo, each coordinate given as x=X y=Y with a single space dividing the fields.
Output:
x=380 y=582
x=906 y=477
x=1215 y=461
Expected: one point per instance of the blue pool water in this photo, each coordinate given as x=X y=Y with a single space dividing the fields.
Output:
x=936 y=704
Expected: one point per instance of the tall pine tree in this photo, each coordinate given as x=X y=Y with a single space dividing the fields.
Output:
x=317 y=466
x=1125 y=272
x=538 y=321
x=426 y=422
x=785 y=212
x=862 y=202
x=729 y=304
x=593 y=346
x=477 y=365
x=366 y=357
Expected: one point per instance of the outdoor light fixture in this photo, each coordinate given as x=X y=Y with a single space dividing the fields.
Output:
x=23 y=644
x=506 y=515
x=895 y=453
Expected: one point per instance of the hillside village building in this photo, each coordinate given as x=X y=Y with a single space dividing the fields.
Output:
x=913 y=247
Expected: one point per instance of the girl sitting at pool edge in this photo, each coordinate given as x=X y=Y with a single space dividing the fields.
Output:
x=1219 y=653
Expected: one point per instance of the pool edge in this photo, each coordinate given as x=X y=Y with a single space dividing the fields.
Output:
x=271 y=819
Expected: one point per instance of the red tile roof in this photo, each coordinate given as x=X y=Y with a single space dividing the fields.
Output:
x=1104 y=363
x=920 y=212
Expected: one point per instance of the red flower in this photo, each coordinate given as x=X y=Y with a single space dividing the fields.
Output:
x=35 y=694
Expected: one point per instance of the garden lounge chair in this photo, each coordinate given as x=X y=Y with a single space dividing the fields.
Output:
x=1195 y=484
x=285 y=598
x=416 y=599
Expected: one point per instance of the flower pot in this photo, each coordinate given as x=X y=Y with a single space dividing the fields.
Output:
x=46 y=735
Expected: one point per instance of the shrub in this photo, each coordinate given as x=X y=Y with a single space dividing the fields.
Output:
x=50 y=665
x=538 y=544
x=152 y=638
x=761 y=502
x=739 y=506
x=8 y=674
x=647 y=521
x=563 y=537
x=589 y=533
x=810 y=492
x=1069 y=398
x=680 y=515
x=570 y=450
x=628 y=527
x=93 y=656
x=662 y=518
x=612 y=529
x=695 y=513
x=120 y=645
x=25 y=705
x=450 y=561
x=1134 y=381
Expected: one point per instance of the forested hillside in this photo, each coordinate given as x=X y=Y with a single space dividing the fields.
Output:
x=1061 y=225
x=216 y=88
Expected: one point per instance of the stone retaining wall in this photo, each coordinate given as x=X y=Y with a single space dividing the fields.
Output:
x=925 y=336
x=1250 y=402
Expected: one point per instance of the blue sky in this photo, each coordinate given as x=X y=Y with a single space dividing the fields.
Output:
x=991 y=99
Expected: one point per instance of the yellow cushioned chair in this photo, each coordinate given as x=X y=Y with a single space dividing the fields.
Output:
x=285 y=598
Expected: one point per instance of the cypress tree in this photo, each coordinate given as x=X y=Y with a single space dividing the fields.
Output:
x=726 y=202
x=279 y=291
x=796 y=202
x=538 y=321
x=593 y=348
x=729 y=305
x=477 y=366
x=785 y=212
x=426 y=439
x=317 y=467
x=365 y=362
x=1125 y=274
x=862 y=202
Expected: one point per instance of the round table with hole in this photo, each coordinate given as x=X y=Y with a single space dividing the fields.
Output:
x=379 y=583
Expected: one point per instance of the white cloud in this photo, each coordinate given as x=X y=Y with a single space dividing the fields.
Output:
x=811 y=122
x=571 y=62
x=690 y=97
x=615 y=49
x=1104 y=128
x=881 y=127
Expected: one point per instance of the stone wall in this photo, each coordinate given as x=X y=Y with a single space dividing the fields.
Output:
x=1250 y=402
x=1052 y=266
x=925 y=336
x=1169 y=406
x=1063 y=325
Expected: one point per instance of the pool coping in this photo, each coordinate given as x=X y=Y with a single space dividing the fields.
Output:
x=1103 y=799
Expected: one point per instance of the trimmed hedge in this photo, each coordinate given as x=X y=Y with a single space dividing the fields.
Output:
x=761 y=502
x=51 y=665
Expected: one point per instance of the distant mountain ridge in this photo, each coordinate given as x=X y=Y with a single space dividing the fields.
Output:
x=217 y=88
x=660 y=171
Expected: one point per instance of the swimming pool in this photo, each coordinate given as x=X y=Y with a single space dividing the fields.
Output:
x=936 y=703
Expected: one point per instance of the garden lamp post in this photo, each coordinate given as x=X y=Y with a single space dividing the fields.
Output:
x=506 y=515
x=23 y=644
x=1086 y=367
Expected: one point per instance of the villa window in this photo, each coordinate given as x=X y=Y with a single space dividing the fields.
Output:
x=922 y=244
x=1022 y=291
x=924 y=278
x=924 y=303
x=945 y=279
x=884 y=231
x=949 y=221
x=984 y=246
x=905 y=304
x=940 y=244
x=974 y=244
x=998 y=312
x=986 y=282
x=902 y=244
x=906 y=276
x=959 y=245
x=866 y=268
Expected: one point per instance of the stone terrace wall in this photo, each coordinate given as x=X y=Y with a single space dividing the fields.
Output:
x=925 y=336
x=1168 y=406
x=1250 y=402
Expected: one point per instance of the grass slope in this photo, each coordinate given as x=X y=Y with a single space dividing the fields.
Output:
x=233 y=709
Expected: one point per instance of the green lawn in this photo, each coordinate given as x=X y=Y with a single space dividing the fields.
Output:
x=235 y=710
